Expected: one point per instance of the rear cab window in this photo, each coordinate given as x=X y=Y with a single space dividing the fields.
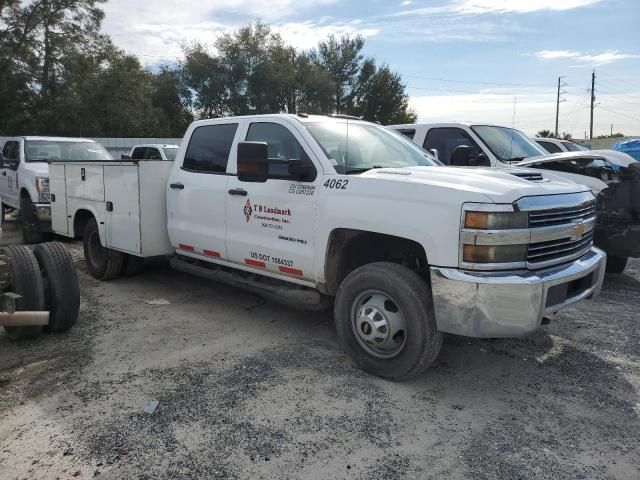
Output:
x=549 y=147
x=139 y=153
x=209 y=148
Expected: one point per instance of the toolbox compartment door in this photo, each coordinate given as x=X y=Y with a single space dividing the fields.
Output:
x=58 y=188
x=122 y=205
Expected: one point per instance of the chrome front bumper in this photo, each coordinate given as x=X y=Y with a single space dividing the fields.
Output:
x=511 y=304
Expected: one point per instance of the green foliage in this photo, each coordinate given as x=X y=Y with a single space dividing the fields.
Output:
x=60 y=76
x=544 y=134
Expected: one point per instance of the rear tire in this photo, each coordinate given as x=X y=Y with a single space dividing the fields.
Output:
x=131 y=265
x=27 y=282
x=394 y=289
x=102 y=263
x=30 y=224
x=61 y=288
x=616 y=264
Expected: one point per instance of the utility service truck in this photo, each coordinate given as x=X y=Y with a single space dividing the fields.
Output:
x=315 y=210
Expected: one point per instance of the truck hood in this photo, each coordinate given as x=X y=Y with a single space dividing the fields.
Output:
x=504 y=185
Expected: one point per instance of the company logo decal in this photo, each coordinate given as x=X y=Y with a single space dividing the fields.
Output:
x=248 y=210
x=578 y=231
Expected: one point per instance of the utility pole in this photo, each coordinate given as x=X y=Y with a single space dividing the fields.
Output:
x=593 y=101
x=558 y=100
x=612 y=129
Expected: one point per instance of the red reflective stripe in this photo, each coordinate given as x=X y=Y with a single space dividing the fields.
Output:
x=211 y=253
x=291 y=271
x=186 y=248
x=255 y=263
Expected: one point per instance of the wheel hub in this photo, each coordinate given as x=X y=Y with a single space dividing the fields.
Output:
x=379 y=324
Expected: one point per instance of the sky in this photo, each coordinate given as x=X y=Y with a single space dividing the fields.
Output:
x=492 y=61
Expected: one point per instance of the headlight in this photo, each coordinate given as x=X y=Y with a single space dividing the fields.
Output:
x=495 y=220
x=494 y=253
x=42 y=186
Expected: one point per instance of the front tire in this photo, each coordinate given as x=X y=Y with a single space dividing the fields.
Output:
x=30 y=225
x=102 y=263
x=26 y=282
x=616 y=264
x=385 y=320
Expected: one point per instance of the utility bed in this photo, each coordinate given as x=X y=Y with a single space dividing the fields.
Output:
x=127 y=199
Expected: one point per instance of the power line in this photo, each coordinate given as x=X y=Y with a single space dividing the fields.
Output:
x=480 y=83
x=618 y=113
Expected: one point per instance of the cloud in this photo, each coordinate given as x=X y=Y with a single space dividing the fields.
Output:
x=307 y=34
x=585 y=59
x=519 y=6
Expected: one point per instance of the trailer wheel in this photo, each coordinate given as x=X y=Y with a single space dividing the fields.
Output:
x=61 y=288
x=102 y=263
x=30 y=225
x=616 y=264
x=26 y=282
x=385 y=320
x=131 y=265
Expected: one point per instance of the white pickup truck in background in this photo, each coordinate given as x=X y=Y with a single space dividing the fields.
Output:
x=152 y=151
x=24 y=176
x=314 y=210
x=614 y=177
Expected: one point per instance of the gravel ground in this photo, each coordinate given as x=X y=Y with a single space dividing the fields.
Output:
x=250 y=389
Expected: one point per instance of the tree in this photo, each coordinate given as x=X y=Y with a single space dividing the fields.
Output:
x=544 y=134
x=171 y=96
x=342 y=60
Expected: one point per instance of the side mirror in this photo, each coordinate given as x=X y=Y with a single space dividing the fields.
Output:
x=460 y=156
x=253 y=162
x=125 y=157
x=434 y=152
x=302 y=171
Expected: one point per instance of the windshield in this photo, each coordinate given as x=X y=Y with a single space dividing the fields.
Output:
x=508 y=144
x=574 y=147
x=170 y=153
x=46 y=150
x=357 y=147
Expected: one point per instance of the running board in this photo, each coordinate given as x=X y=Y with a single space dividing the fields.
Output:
x=281 y=292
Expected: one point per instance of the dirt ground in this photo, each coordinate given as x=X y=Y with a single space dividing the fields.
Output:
x=250 y=389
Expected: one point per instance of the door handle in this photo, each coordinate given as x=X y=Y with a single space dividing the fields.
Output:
x=177 y=186
x=238 y=191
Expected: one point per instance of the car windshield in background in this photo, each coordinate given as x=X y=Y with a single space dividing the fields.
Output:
x=170 y=153
x=358 y=147
x=574 y=147
x=508 y=144
x=46 y=150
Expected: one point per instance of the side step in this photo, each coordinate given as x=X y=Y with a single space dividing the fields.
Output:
x=270 y=289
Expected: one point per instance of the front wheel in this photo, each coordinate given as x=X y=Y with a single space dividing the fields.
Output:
x=616 y=264
x=385 y=320
x=30 y=225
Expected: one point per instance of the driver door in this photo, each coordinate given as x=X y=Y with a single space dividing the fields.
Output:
x=270 y=225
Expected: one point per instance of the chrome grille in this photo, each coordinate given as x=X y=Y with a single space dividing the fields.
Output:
x=561 y=216
x=555 y=250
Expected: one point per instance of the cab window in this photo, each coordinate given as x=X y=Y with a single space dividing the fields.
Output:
x=549 y=146
x=445 y=140
x=209 y=147
x=153 y=154
x=11 y=154
x=281 y=145
x=139 y=153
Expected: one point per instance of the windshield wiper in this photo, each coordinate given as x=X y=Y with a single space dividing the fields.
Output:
x=361 y=169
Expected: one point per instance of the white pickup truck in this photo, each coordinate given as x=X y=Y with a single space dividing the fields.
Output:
x=614 y=177
x=312 y=210
x=24 y=176
x=152 y=151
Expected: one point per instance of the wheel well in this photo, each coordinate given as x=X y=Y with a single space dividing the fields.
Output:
x=24 y=193
x=349 y=249
x=80 y=221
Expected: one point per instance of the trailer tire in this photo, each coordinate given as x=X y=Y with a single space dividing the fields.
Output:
x=377 y=299
x=27 y=282
x=102 y=263
x=616 y=264
x=131 y=265
x=30 y=224
x=61 y=287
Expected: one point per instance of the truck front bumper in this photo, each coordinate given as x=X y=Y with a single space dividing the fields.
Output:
x=43 y=211
x=511 y=304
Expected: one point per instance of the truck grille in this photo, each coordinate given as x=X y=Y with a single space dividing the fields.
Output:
x=555 y=251
x=561 y=216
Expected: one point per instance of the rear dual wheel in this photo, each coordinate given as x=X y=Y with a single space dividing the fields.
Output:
x=102 y=263
x=385 y=320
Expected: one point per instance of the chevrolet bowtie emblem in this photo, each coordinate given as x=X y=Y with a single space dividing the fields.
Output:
x=578 y=231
